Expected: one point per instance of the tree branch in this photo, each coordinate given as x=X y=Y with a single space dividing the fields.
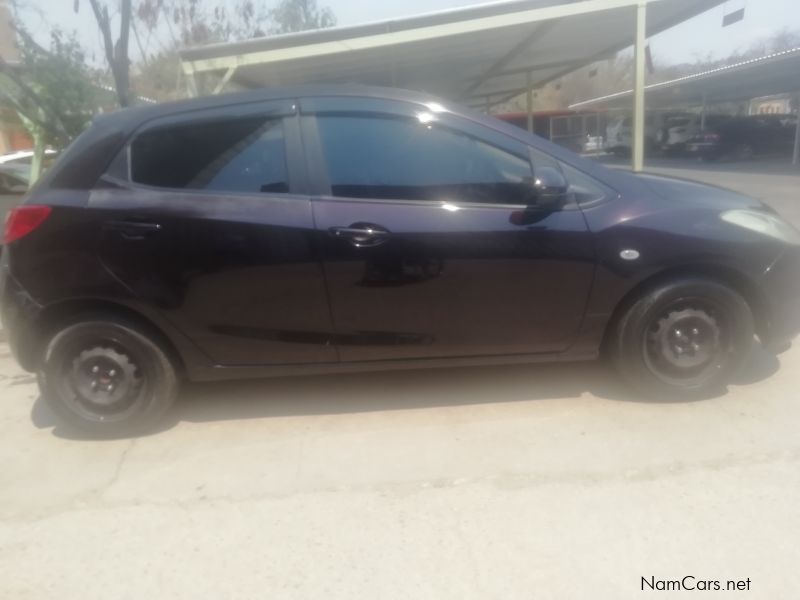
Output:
x=101 y=16
x=117 y=56
x=56 y=126
x=21 y=32
x=121 y=54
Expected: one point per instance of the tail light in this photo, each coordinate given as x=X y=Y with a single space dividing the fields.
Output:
x=24 y=219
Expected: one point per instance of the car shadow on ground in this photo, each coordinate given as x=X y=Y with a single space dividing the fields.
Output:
x=401 y=390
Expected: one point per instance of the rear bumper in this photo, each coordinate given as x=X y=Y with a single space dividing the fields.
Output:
x=780 y=286
x=18 y=312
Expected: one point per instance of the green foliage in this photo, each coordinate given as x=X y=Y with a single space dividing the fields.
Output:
x=50 y=89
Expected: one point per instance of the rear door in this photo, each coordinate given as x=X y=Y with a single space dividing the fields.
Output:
x=430 y=246
x=205 y=216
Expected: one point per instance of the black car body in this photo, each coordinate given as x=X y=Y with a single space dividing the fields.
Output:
x=743 y=138
x=332 y=229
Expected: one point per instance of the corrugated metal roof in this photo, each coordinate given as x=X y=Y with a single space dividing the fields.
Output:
x=774 y=73
x=468 y=54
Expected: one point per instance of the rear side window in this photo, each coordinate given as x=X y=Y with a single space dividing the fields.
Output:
x=396 y=158
x=230 y=155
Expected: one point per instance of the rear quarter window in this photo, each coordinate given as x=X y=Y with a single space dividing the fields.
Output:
x=236 y=155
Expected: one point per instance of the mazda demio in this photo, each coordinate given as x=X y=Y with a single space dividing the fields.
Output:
x=329 y=229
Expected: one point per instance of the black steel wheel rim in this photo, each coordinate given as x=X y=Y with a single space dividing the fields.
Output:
x=688 y=342
x=102 y=380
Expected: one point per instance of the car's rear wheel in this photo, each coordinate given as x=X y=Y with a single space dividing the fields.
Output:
x=685 y=337
x=107 y=376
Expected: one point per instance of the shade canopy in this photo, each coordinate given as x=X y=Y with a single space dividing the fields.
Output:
x=479 y=55
x=769 y=75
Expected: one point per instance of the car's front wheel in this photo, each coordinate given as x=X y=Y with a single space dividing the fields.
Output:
x=107 y=376
x=685 y=337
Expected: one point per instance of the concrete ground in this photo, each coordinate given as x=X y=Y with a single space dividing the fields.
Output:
x=551 y=481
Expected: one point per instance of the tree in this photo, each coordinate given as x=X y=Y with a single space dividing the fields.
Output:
x=198 y=22
x=183 y=23
x=300 y=15
x=50 y=91
x=116 y=52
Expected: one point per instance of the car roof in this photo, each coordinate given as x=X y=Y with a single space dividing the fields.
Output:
x=140 y=114
x=83 y=162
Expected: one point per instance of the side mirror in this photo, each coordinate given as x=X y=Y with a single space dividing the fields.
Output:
x=550 y=187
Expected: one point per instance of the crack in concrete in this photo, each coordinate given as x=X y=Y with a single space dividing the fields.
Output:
x=122 y=458
x=518 y=482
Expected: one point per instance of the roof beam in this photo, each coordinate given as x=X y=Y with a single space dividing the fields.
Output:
x=539 y=30
x=224 y=81
x=515 y=91
x=734 y=92
x=572 y=63
x=605 y=53
x=419 y=34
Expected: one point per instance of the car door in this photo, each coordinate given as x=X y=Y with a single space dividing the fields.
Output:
x=205 y=216
x=430 y=245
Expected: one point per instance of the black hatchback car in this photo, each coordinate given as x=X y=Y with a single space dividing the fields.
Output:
x=331 y=229
x=743 y=138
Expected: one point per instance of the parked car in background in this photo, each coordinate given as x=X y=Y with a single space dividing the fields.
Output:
x=25 y=158
x=578 y=132
x=329 y=229
x=619 y=132
x=13 y=181
x=593 y=144
x=743 y=138
x=679 y=130
x=13 y=186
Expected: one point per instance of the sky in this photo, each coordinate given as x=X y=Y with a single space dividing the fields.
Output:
x=701 y=36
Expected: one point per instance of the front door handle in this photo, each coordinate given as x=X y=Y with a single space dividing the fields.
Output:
x=133 y=230
x=362 y=235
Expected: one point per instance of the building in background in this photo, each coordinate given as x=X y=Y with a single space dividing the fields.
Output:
x=773 y=105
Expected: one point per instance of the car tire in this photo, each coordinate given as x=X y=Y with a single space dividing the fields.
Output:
x=683 y=338
x=107 y=376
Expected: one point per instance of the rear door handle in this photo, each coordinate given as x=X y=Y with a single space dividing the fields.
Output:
x=133 y=230
x=362 y=235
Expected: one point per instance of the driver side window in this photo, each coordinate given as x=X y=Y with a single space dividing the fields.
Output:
x=389 y=157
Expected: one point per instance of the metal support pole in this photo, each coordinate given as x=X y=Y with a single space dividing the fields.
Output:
x=191 y=84
x=703 y=112
x=796 y=159
x=224 y=80
x=638 y=93
x=529 y=99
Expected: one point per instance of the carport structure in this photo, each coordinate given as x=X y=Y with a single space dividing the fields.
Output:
x=480 y=56
x=777 y=73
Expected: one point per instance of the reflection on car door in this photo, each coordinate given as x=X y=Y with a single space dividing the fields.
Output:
x=209 y=223
x=429 y=248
